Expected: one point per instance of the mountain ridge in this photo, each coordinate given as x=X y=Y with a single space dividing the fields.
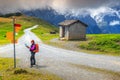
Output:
x=100 y=23
x=53 y=17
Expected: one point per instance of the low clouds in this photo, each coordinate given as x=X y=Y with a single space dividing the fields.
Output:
x=113 y=23
x=97 y=9
x=8 y=6
x=99 y=16
x=60 y=6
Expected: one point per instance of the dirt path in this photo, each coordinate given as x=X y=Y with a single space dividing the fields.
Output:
x=69 y=65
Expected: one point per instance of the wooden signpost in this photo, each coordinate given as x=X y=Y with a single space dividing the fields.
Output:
x=14 y=42
x=11 y=36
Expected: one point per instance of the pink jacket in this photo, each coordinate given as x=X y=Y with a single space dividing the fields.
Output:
x=32 y=48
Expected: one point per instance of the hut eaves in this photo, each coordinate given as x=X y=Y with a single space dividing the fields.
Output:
x=70 y=22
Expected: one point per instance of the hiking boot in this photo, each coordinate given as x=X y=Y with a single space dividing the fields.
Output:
x=34 y=64
x=31 y=66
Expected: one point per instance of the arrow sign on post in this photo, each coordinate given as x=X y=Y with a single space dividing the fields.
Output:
x=17 y=27
x=9 y=35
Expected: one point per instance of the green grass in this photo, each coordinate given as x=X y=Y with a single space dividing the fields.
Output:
x=43 y=30
x=4 y=27
x=45 y=36
x=7 y=72
x=8 y=27
x=107 y=43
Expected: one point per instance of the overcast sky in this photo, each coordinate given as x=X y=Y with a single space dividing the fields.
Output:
x=59 y=5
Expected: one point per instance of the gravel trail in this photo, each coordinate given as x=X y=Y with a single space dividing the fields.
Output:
x=60 y=61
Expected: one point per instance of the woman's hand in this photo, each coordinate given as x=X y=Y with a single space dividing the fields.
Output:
x=28 y=47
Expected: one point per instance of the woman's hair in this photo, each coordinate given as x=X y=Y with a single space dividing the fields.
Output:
x=33 y=41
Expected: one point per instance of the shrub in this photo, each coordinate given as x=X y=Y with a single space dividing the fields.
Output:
x=20 y=71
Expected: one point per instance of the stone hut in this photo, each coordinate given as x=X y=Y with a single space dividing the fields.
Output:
x=72 y=30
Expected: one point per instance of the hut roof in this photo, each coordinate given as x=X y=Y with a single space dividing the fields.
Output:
x=70 y=22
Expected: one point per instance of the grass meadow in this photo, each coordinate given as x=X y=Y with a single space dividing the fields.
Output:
x=43 y=30
x=106 y=43
x=7 y=72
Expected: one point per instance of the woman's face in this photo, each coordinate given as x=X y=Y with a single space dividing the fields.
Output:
x=32 y=42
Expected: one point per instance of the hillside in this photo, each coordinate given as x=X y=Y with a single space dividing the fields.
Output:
x=26 y=22
x=103 y=43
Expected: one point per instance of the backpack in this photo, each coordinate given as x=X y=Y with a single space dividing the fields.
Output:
x=37 y=48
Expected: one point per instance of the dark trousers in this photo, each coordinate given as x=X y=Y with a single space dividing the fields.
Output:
x=32 y=58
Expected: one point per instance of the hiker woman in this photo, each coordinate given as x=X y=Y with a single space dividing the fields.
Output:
x=32 y=50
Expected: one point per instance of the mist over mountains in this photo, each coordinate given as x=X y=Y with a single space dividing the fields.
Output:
x=101 y=16
x=108 y=22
